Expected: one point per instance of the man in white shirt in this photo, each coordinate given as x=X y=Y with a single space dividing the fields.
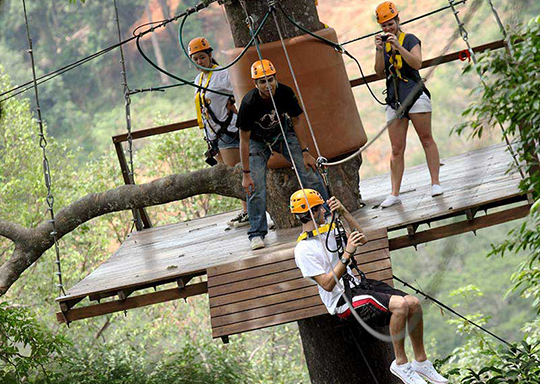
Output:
x=318 y=257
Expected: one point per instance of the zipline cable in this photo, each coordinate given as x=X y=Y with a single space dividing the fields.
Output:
x=184 y=81
x=405 y=22
x=49 y=76
x=46 y=165
x=451 y=310
x=220 y=68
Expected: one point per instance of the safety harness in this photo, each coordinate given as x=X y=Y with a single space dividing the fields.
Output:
x=203 y=109
x=396 y=74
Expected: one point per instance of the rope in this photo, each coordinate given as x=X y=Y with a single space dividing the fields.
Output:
x=369 y=329
x=244 y=51
x=59 y=71
x=184 y=81
x=127 y=106
x=465 y=36
x=155 y=89
x=336 y=46
x=297 y=86
x=451 y=310
x=46 y=166
x=405 y=22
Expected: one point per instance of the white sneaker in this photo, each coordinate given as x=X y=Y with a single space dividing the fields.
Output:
x=257 y=243
x=406 y=373
x=436 y=190
x=425 y=369
x=390 y=200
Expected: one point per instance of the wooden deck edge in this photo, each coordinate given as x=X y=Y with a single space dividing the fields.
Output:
x=131 y=302
x=458 y=228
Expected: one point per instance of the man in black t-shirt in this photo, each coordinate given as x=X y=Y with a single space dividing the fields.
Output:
x=261 y=133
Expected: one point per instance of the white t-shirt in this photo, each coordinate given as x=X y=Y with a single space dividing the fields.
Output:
x=310 y=257
x=219 y=81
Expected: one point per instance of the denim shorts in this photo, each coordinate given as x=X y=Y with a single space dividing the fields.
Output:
x=226 y=141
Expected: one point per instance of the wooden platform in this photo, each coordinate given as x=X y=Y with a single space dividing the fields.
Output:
x=176 y=253
x=269 y=290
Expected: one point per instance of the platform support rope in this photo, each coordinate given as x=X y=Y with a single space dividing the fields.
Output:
x=465 y=37
x=46 y=164
x=127 y=104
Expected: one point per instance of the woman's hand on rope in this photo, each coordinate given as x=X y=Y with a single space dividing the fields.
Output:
x=310 y=162
x=248 y=184
x=356 y=239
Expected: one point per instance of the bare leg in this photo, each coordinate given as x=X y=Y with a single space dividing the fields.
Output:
x=397 y=131
x=422 y=125
x=416 y=327
x=231 y=157
x=400 y=312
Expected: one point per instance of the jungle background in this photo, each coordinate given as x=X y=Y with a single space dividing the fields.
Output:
x=85 y=107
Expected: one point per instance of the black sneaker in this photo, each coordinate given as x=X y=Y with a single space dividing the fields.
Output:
x=242 y=219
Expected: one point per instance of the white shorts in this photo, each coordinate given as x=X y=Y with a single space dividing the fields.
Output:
x=422 y=105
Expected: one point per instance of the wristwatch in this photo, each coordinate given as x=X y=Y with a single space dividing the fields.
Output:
x=345 y=261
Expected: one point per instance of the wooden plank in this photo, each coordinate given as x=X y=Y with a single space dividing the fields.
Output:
x=288 y=254
x=275 y=278
x=257 y=293
x=147 y=132
x=267 y=311
x=262 y=270
x=264 y=301
x=461 y=227
x=281 y=318
x=131 y=302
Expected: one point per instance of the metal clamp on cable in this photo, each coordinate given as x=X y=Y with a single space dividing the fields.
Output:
x=323 y=170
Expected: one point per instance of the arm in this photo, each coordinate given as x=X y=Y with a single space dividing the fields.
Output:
x=326 y=280
x=247 y=181
x=309 y=160
x=352 y=223
x=379 y=56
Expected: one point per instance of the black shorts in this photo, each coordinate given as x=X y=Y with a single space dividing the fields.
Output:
x=370 y=304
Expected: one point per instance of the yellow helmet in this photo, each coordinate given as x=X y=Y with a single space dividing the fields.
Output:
x=198 y=44
x=263 y=67
x=298 y=200
x=386 y=11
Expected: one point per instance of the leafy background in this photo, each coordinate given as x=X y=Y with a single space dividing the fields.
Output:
x=172 y=341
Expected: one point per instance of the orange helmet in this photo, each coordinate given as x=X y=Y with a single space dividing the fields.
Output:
x=386 y=11
x=198 y=44
x=298 y=200
x=263 y=67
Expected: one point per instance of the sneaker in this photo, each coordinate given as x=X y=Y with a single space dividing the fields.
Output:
x=257 y=243
x=406 y=373
x=436 y=190
x=242 y=218
x=425 y=369
x=390 y=200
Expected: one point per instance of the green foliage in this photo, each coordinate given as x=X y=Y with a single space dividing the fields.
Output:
x=28 y=350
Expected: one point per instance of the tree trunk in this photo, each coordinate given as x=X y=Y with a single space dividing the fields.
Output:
x=331 y=355
x=157 y=50
x=344 y=347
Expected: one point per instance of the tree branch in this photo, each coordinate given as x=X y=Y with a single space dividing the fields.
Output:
x=31 y=243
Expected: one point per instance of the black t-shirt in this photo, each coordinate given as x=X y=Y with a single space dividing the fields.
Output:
x=258 y=115
x=407 y=72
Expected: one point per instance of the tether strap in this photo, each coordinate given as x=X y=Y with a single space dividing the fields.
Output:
x=396 y=59
x=199 y=97
x=310 y=234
